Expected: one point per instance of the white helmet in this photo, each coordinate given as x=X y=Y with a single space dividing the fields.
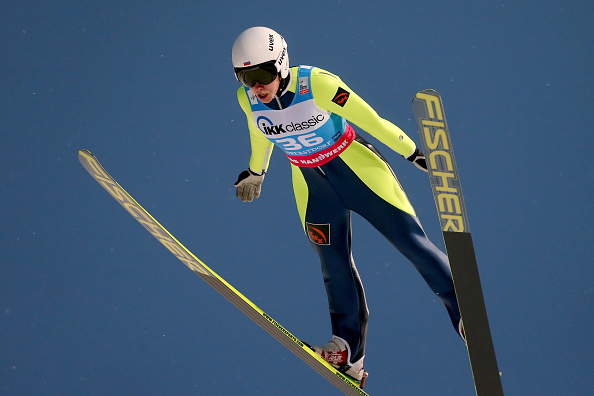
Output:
x=260 y=48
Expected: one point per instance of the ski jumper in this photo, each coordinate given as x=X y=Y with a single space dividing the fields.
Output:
x=335 y=172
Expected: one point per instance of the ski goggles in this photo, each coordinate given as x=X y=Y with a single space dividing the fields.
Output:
x=264 y=74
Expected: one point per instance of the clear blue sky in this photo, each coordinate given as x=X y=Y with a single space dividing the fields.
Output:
x=91 y=304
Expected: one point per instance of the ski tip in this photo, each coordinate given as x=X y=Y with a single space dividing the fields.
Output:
x=85 y=155
x=428 y=91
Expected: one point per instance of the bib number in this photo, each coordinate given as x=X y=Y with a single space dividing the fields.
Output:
x=308 y=140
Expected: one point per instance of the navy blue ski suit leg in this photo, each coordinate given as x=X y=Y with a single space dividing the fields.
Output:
x=326 y=195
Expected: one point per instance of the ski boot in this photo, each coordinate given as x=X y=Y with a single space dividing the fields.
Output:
x=338 y=353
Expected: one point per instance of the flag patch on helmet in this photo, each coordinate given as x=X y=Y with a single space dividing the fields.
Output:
x=341 y=97
x=247 y=63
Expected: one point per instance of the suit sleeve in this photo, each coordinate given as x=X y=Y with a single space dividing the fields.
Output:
x=261 y=147
x=331 y=94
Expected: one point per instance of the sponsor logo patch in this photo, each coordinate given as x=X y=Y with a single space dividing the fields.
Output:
x=268 y=128
x=303 y=85
x=341 y=97
x=253 y=98
x=318 y=233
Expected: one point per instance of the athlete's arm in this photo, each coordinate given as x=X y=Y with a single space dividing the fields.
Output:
x=326 y=87
x=261 y=147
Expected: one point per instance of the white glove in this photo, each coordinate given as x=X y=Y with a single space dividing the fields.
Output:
x=249 y=185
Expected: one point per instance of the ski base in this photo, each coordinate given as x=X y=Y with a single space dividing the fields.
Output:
x=481 y=352
x=447 y=192
x=347 y=385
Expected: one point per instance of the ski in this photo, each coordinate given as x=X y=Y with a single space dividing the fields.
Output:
x=447 y=192
x=347 y=385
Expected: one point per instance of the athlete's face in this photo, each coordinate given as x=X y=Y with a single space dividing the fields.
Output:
x=266 y=92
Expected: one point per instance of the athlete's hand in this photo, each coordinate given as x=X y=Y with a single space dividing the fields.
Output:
x=418 y=159
x=249 y=185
